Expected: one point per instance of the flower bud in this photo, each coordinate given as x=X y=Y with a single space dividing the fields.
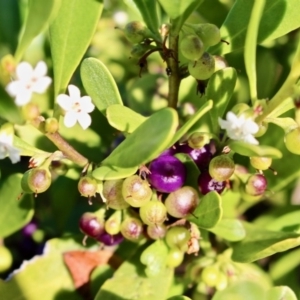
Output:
x=51 y=125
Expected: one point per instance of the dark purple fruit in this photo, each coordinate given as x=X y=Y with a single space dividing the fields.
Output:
x=157 y=231
x=153 y=213
x=91 y=225
x=132 y=229
x=207 y=184
x=182 y=202
x=221 y=167
x=168 y=174
x=256 y=185
x=110 y=240
x=201 y=156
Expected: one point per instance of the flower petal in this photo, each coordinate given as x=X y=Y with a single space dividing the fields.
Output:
x=24 y=71
x=223 y=124
x=40 y=70
x=84 y=120
x=13 y=88
x=74 y=91
x=86 y=104
x=14 y=154
x=23 y=97
x=250 y=139
x=70 y=119
x=64 y=101
x=41 y=85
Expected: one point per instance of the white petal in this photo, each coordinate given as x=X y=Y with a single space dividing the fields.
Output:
x=250 y=139
x=41 y=85
x=23 y=97
x=24 y=71
x=13 y=87
x=5 y=138
x=223 y=124
x=231 y=117
x=70 y=119
x=84 y=120
x=64 y=101
x=86 y=104
x=40 y=70
x=3 y=151
x=74 y=91
x=251 y=127
x=14 y=154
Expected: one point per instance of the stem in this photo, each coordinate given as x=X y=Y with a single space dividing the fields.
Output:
x=67 y=149
x=174 y=78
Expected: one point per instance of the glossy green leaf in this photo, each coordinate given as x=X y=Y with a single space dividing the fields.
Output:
x=15 y=211
x=188 y=125
x=179 y=298
x=241 y=290
x=111 y=172
x=99 y=84
x=280 y=293
x=254 y=150
x=76 y=21
x=179 y=11
x=155 y=257
x=39 y=15
x=260 y=243
x=287 y=124
x=146 y=142
x=26 y=149
x=285 y=222
x=123 y=118
x=148 y=10
x=130 y=282
x=8 y=110
x=230 y=230
x=43 y=277
x=279 y=18
x=220 y=89
x=209 y=212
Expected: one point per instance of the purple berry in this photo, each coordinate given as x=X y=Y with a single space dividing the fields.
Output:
x=207 y=184
x=200 y=156
x=256 y=185
x=110 y=240
x=168 y=174
x=91 y=225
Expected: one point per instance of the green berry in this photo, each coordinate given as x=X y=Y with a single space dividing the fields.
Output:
x=157 y=231
x=191 y=47
x=36 y=180
x=208 y=33
x=202 y=68
x=175 y=258
x=136 y=32
x=210 y=275
x=261 y=163
x=178 y=237
x=87 y=186
x=292 y=141
x=132 y=229
x=113 y=223
x=112 y=191
x=221 y=167
x=153 y=212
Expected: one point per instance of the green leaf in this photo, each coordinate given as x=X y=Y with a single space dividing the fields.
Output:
x=8 y=110
x=40 y=13
x=112 y=172
x=154 y=257
x=148 y=10
x=123 y=118
x=130 y=282
x=279 y=17
x=280 y=293
x=99 y=84
x=230 y=230
x=14 y=212
x=179 y=298
x=209 y=211
x=26 y=149
x=285 y=222
x=241 y=290
x=146 y=142
x=260 y=243
x=220 y=89
x=76 y=21
x=247 y=149
x=43 y=277
x=188 y=125
x=179 y=11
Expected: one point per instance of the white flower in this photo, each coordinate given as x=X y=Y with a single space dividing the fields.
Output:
x=239 y=128
x=7 y=148
x=28 y=81
x=77 y=108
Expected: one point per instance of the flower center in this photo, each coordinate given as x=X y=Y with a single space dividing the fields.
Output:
x=76 y=107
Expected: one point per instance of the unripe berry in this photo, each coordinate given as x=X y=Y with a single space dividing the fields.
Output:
x=256 y=185
x=113 y=223
x=153 y=212
x=91 y=225
x=260 y=163
x=210 y=275
x=191 y=47
x=197 y=140
x=157 y=231
x=207 y=184
x=208 y=33
x=182 y=202
x=36 y=180
x=132 y=229
x=292 y=141
x=221 y=167
x=135 y=32
x=112 y=191
x=51 y=125
x=136 y=191
x=178 y=237
x=203 y=68
x=168 y=174
x=175 y=258
x=87 y=186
